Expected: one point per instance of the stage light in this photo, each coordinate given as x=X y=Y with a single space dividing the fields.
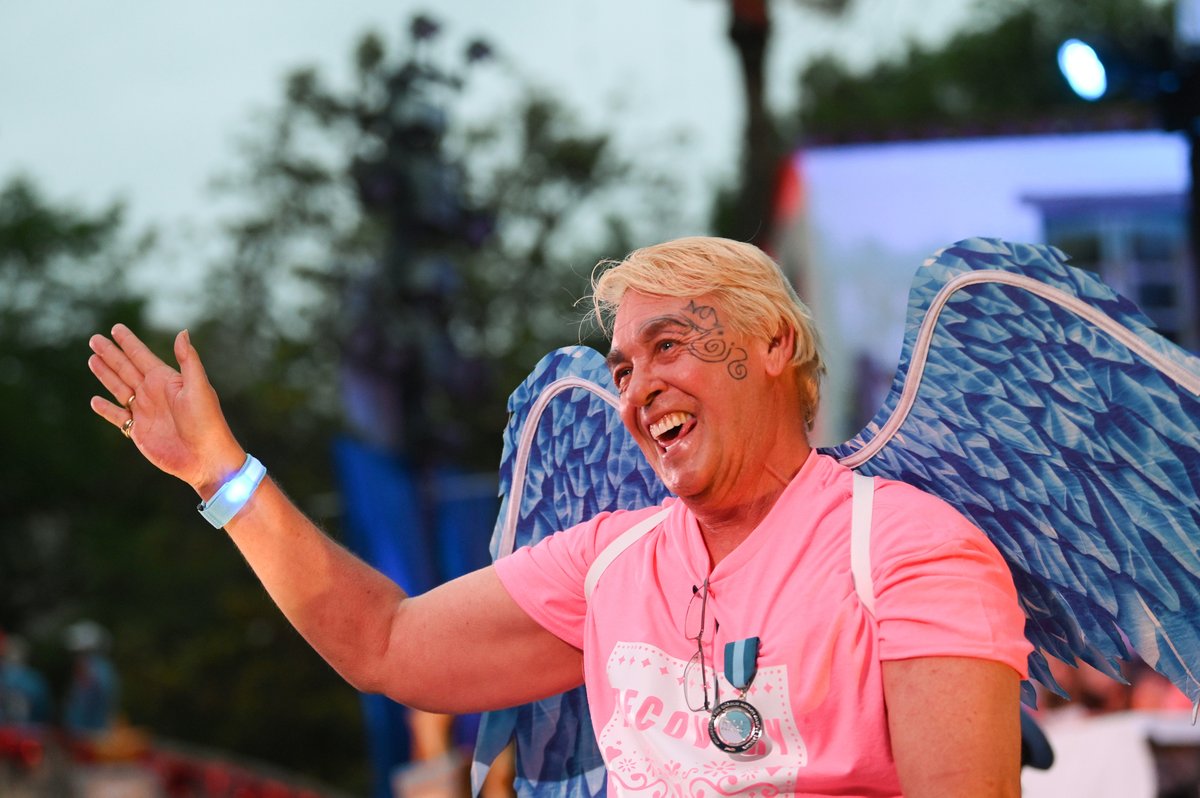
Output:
x=1083 y=69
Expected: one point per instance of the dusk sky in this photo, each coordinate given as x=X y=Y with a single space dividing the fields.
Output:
x=145 y=101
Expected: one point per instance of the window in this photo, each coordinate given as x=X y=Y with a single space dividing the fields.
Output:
x=1138 y=245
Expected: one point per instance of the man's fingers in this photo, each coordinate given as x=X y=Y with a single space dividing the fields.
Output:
x=117 y=361
x=189 y=360
x=120 y=390
x=138 y=353
x=113 y=414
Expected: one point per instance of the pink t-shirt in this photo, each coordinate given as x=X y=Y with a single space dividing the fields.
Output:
x=941 y=589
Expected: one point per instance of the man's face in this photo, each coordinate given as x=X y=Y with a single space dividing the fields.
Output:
x=691 y=393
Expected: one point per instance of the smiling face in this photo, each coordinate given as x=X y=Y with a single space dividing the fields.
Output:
x=704 y=403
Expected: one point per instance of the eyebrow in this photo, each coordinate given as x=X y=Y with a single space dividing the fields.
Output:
x=614 y=357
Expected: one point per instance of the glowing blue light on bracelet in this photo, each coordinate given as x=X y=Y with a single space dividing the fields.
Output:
x=239 y=489
x=231 y=497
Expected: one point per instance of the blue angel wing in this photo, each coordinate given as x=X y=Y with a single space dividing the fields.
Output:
x=566 y=458
x=1044 y=407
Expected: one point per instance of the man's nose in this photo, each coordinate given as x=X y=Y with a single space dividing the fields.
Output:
x=644 y=386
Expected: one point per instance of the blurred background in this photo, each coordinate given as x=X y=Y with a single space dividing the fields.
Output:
x=374 y=218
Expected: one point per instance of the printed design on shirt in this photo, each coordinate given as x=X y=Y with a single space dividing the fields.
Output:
x=654 y=745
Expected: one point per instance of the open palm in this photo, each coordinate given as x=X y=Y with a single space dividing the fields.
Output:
x=174 y=417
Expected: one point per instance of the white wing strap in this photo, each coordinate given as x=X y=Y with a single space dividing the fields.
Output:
x=614 y=549
x=860 y=543
x=860 y=539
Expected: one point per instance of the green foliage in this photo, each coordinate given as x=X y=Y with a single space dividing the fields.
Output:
x=60 y=278
x=91 y=530
x=380 y=231
x=999 y=77
x=562 y=201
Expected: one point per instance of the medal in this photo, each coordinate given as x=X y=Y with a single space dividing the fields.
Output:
x=735 y=725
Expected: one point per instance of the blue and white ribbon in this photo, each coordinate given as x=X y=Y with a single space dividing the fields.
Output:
x=741 y=662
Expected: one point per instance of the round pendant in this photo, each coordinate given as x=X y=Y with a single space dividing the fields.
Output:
x=735 y=726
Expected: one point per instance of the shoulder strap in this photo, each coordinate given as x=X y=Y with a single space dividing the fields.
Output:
x=860 y=539
x=614 y=549
x=860 y=543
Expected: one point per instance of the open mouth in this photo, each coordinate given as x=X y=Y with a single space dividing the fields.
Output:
x=671 y=427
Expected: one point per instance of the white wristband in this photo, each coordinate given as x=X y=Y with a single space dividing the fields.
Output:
x=233 y=495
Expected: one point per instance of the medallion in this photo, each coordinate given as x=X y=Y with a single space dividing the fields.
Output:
x=735 y=725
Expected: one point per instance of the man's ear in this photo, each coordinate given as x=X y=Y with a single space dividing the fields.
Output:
x=780 y=350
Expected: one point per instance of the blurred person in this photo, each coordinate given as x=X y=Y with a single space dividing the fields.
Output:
x=1092 y=692
x=727 y=644
x=24 y=693
x=1105 y=735
x=437 y=769
x=1150 y=691
x=91 y=703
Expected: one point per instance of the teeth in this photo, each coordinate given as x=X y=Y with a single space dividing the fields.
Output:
x=667 y=423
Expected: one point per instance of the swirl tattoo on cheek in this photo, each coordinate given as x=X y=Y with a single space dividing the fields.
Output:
x=707 y=342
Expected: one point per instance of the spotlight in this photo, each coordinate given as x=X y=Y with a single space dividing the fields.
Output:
x=1083 y=69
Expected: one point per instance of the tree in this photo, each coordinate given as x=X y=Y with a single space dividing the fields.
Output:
x=744 y=211
x=91 y=531
x=61 y=277
x=431 y=253
x=998 y=77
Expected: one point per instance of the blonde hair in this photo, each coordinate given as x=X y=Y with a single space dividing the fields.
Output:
x=757 y=299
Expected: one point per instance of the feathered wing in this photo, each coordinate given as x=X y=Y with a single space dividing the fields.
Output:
x=1044 y=407
x=566 y=458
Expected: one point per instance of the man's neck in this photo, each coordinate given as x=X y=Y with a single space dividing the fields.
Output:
x=725 y=526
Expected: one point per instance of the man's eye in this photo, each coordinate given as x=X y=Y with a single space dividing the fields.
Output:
x=620 y=377
x=666 y=346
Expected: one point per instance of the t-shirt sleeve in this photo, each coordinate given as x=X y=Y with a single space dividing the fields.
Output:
x=546 y=579
x=941 y=586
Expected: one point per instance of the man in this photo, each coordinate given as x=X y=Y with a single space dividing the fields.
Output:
x=24 y=693
x=91 y=706
x=734 y=616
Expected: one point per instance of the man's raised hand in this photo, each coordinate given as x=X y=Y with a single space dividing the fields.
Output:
x=174 y=417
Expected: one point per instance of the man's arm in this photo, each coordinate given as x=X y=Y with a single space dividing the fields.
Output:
x=463 y=646
x=955 y=726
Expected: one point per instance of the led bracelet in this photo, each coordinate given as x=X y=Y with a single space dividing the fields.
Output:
x=233 y=495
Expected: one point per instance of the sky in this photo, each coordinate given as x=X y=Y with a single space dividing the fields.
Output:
x=144 y=102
